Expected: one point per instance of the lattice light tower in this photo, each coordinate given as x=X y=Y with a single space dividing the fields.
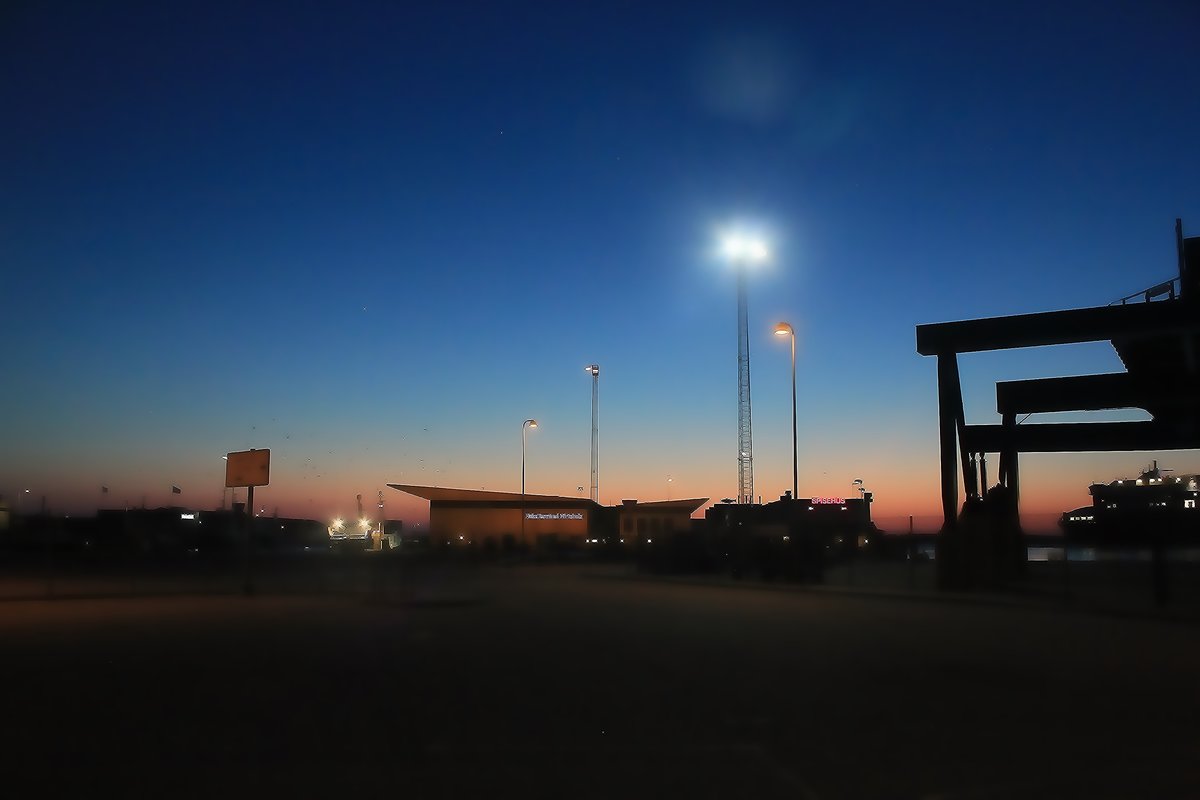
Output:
x=742 y=252
x=745 y=435
x=594 y=369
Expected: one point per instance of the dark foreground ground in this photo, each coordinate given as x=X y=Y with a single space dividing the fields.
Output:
x=527 y=682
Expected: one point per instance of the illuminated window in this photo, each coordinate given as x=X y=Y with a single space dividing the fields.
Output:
x=1189 y=503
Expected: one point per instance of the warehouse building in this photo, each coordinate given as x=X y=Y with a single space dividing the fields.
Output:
x=477 y=518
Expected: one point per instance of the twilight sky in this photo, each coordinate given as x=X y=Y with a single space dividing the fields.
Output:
x=376 y=237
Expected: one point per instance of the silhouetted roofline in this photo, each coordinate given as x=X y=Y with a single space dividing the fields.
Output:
x=662 y=505
x=447 y=494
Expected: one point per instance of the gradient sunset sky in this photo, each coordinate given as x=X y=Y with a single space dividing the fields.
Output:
x=376 y=237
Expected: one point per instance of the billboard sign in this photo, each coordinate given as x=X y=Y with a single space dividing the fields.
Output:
x=248 y=468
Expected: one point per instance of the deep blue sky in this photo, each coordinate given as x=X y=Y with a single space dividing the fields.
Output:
x=377 y=236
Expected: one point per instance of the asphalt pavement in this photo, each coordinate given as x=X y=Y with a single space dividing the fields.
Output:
x=456 y=681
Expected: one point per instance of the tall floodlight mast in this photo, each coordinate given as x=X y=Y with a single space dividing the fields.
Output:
x=743 y=252
x=745 y=435
x=595 y=370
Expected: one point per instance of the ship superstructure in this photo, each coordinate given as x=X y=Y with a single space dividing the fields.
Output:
x=1137 y=509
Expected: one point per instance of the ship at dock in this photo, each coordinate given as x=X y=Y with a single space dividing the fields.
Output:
x=1156 y=507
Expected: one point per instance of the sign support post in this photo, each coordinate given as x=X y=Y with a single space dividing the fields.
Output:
x=248 y=468
x=247 y=546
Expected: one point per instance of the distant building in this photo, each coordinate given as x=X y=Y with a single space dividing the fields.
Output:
x=639 y=523
x=789 y=538
x=476 y=518
x=178 y=529
x=842 y=522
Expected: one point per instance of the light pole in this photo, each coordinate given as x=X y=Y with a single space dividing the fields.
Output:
x=594 y=369
x=526 y=425
x=784 y=329
x=742 y=252
x=223 y=486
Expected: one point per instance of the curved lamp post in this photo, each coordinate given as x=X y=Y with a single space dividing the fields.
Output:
x=784 y=329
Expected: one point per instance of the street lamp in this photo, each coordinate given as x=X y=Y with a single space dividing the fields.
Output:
x=784 y=329
x=224 y=488
x=525 y=426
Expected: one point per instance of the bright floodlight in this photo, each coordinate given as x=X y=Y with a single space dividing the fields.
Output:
x=745 y=249
x=337 y=524
x=365 y=523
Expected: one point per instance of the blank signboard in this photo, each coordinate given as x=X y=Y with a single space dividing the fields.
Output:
x=248 y=468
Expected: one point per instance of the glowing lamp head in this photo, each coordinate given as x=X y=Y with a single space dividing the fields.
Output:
x=337 y=524
x=745 y=249
x=365 y=523
x=784 y=329
x=531 y=423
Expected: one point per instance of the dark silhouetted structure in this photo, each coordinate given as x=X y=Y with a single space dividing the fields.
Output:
x=1156 y=333
x=791 y=538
